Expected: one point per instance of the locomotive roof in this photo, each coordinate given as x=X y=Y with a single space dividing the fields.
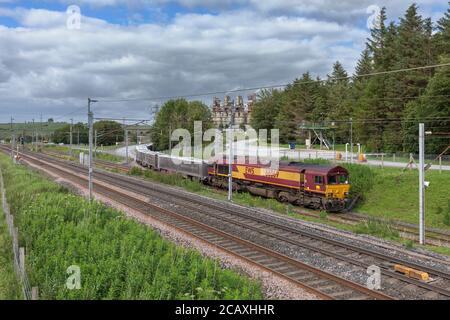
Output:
x=317 y=168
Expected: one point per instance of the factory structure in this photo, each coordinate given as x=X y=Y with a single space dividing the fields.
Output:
x=222 y=112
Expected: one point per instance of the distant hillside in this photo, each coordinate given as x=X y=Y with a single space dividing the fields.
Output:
x=45 y=128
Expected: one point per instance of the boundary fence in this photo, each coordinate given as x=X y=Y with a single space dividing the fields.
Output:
x=29 y=293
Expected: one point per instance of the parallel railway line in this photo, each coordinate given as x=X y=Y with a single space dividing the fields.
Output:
x=320 y=283
x=277 y=233
x=437 y=237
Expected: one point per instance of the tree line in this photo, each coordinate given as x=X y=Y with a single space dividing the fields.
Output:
x=109 y=132
x=384 y=108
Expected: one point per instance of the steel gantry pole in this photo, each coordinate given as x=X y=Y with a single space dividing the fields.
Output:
x=126 y=139
x=91 y=132
x=230 y=156
x=421 y=183
x=13 y=139
x=351 y=140
x=71 y=137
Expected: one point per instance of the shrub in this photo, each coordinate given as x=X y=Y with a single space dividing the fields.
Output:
x=378 y=228
x=409 y=244
x=323 y=215
x=446 y=218
x=136 y=171
x=361 y=179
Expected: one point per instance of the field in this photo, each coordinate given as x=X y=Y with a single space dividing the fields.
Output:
x=65 y=150
x=27 y=128
x=118 y=258
x=395 y=195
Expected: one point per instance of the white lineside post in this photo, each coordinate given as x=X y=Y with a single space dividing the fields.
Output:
x=35 y=293
x=346 y=152
x=421 y=184
x=440 y=164
x=22 y=261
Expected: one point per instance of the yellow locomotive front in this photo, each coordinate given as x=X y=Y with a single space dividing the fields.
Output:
x=337 y=186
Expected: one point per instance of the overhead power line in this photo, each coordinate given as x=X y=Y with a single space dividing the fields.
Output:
x=272 y=86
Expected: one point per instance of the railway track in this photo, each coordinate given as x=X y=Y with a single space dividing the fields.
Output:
x=281 y=235
x=284 y=236
x=97 y=162
x=436 y=237
x=315 y=281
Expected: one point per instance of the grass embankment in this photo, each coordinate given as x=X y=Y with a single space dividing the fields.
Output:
x=65 y=150
x=119 y=258
x=9 y=287
x=395 y=195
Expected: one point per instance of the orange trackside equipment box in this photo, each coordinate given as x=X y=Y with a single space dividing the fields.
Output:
x=412 y=273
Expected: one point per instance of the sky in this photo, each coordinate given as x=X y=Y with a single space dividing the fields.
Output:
x=53 y=57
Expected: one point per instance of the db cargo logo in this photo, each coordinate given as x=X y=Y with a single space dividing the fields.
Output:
x=271 y=173
x=249 y=170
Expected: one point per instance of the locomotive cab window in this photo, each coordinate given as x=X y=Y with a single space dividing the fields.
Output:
x=318 y=180
x=222 y=169
x=332 y=180
x=343 y=179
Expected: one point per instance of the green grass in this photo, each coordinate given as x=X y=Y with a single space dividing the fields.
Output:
x=9 y=286
x=27 y=128
x=377 y=228
x=119 y=258
x=395 y=194
x=65 y=150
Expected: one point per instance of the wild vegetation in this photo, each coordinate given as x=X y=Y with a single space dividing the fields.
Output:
x=9 y=287
x=118 y=258
x=385 y=109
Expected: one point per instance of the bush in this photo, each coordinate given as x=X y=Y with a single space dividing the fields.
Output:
x=446 y=218
x=378 y=228
x=323 y=215
x=136 y=171
x=361 y=179
x=409 y=244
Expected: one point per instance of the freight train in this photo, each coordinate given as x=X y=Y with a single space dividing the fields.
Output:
x=322 y=187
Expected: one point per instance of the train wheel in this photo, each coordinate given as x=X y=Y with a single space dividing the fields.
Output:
x=283 y=197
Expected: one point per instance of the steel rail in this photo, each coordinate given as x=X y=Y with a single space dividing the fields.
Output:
x=299 y=243
x=138 y=204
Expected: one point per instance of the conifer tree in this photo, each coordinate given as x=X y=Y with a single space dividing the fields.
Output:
x=442 y=37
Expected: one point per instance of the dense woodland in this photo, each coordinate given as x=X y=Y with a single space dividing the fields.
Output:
x=385 y=109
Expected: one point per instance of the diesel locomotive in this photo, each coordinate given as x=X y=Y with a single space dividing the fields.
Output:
x=322 y=187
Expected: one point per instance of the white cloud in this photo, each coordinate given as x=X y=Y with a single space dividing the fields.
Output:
x=44 y=67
